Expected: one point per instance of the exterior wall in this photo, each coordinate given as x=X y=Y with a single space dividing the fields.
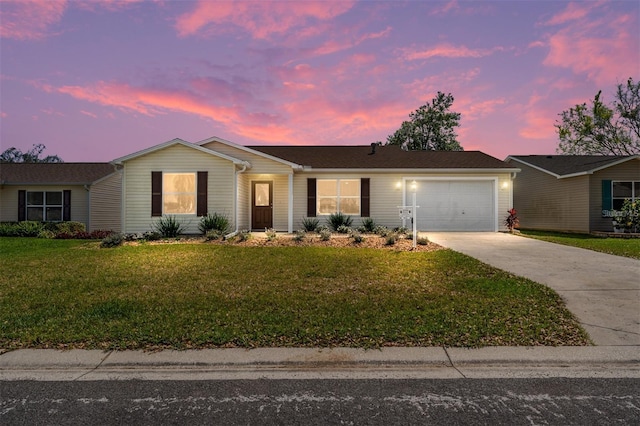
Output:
x=627 y=171
x=545 y=202
x=385 y=196
x=79 y=201
x=137 y=185
x=259 y=164
x=280 y=200
x=106 y=204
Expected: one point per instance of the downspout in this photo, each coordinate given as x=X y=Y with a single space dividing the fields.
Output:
x=88 y=189
x=237 y=200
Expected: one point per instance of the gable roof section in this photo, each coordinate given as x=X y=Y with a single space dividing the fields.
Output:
x=565 y=166
x=385 y=157
x=173 y=142
x=53 y=173
x=250 y=150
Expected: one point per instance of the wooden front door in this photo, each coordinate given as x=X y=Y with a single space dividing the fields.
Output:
x=261 y=205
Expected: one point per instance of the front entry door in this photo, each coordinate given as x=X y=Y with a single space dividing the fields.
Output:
x=262 y=205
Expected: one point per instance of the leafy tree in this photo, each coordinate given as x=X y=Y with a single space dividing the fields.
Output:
x=599 y=129
x=14 y=155
x=430 y=128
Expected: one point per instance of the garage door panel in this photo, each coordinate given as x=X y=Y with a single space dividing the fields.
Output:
x=456 y=205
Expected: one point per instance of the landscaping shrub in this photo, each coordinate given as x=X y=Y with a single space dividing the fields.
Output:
x=213 y=234
x=368 y=224
x=168 y=227
x=336 y=220
x=423 y=241
x=325 y=234
x=511 y=221
x=69 y=227
x=8 y=229
x=28 y=228
x=299 y=235
x=391 y=239
x=214 y=222
x=244 y=235
x=357 y=237
x=113 y=240
x=47 y=234
x=271 y=234
x=310 y=224
x=382 y=231
x=343 y=229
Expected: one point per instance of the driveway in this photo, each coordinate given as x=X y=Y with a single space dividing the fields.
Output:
x=602 y=290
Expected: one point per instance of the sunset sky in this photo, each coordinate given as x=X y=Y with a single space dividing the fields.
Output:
x=96 y=80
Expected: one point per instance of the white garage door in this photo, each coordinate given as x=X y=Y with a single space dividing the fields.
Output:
x=455 y=205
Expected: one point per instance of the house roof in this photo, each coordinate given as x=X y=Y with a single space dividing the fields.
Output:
x=53 y=173
x=571 y=165
x=385 y=157
x=177 y=141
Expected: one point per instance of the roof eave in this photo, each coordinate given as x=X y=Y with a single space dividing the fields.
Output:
x=410 y=170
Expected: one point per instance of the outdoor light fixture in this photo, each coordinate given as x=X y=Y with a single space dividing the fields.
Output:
x=505 y=185
x=414 y=186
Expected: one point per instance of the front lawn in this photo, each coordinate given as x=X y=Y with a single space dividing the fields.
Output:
x=628 y=247
x=73 y=294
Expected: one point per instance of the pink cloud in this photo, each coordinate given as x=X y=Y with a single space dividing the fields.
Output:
x=30 y=19
x=260 y=19
x=88 y=114
x=573 y=12
x=539 y=118
x=335 y=45
x=3 y=114
x=604 y=48
x=448 y=51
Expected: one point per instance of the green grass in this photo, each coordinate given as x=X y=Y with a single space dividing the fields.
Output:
x=72 y=294
x=628 y=247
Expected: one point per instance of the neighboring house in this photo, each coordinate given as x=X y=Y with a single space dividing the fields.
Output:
x=82 y=192
x=573 y=192
x=260 y=187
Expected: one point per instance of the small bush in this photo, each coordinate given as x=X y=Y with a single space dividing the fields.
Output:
x=271 y=234
x=310 y=224
x=391 y=239
x=336 y=220
x=343 y=229
x=325 y=234
x=213 y=234
x=113 y=240
x=382 y=231
x=28 y=228
x=299 y=235
x=368 y=224
x=69 y=228
x=401 y=230
x=244 y=235
x=8 y=229
x=423 y=241
x=357 y=237
x=214 y=222
x=47 y=234
x=168 y=227
x=511 y=221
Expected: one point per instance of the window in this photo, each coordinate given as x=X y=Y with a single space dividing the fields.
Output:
x=622 y=191
x=338 y=195
x=44 y=206
x=179 y=193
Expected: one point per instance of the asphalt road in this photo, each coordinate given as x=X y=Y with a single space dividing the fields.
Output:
x=553 y=401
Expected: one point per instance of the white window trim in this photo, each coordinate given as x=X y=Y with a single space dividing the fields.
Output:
x=339 y=197
x=194 y=193
x=44 y=205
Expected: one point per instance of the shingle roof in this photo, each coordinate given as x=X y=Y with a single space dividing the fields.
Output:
x=563 y=165
x=385 y=157
x=53 y=173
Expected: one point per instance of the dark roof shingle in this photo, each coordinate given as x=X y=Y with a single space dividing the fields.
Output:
x=563 y=165
x=385 y=157
x=54 y=173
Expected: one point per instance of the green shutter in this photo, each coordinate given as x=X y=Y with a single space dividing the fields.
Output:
x=607 y=200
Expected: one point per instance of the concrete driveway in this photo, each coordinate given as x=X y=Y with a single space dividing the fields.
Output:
x=602 y=290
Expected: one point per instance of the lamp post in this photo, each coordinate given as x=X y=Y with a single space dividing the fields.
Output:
x=414 y=190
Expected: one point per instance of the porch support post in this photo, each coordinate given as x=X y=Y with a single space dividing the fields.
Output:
x=290 y=205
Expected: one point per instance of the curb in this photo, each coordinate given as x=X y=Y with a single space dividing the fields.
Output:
x=314 y=363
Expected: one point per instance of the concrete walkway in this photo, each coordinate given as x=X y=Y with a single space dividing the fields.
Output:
x=602 y=290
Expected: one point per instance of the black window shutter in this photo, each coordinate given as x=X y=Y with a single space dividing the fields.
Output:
x=311 y=197
x=66 y=205
x=202 y=193
x=22 y=205
x=156 y=193
x=607 y=199
x=364 y=197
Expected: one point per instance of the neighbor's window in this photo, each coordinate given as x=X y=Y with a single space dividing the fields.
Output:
x=338 y=195
x=179 y=193
x=44 y=206
x=624 y=191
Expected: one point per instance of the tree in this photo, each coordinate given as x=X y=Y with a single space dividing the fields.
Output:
x=598 y=129
x=430 y=128
x=14 y=155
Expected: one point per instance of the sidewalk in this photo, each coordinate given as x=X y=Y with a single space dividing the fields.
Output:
x=334 y=363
